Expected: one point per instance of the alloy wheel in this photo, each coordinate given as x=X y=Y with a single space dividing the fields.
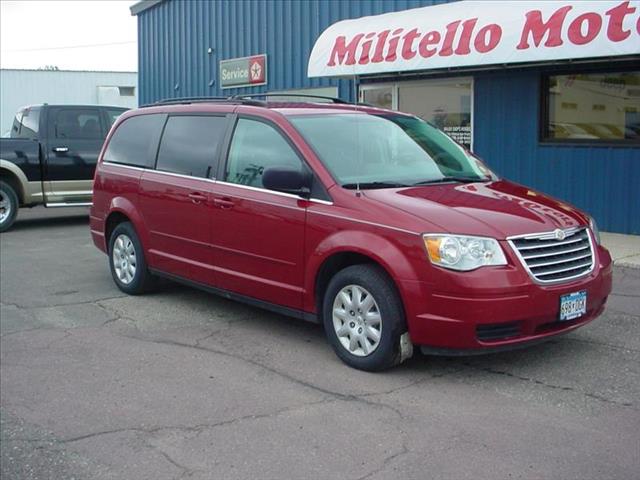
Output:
x=5 y=206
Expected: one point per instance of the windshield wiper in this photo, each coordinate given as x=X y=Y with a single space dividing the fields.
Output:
x=366 y=185
x=453 y=179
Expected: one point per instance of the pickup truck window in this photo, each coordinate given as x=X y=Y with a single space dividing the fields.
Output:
x=189 y=144
x=78 y=124
x=135 y=141
x=25 y=124
x=113 y=114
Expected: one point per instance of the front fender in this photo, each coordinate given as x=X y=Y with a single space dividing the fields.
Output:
x=393 y=256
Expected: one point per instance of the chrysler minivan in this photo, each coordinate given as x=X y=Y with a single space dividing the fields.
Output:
x=372 y=222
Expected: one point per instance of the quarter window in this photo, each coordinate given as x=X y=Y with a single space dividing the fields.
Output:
x=135 y=141
x=255 y=147
x=190 y=144
x=593 y=107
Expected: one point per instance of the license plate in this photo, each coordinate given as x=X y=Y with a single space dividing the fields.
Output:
x=573 y=305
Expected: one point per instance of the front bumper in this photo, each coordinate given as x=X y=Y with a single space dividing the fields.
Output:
x=451 y=313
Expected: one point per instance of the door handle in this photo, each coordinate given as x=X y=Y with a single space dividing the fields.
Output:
x=197 y=197
x=223 y=202
x=61 y=149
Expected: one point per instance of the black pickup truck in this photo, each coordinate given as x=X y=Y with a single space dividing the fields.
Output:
x=50 y=156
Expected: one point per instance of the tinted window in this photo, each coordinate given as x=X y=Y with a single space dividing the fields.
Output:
x=78 y=124
x=257 y=146
x=25 y=124
x=593 y=107
x=113 y=114
x=135 y=141
x=190 y=144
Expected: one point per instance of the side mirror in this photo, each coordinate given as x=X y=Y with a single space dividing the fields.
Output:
x=287 y=180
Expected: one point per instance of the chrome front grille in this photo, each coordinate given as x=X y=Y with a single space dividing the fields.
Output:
x=556 y=256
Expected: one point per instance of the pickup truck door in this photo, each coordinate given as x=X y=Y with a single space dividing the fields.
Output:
x=74 y=139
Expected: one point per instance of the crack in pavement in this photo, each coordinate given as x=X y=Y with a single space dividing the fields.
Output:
x=291 y=378
x=385 y=463
x=69 y=304
x=185 y=471
x=603 y=344
x=197 y=429
x=552 y=386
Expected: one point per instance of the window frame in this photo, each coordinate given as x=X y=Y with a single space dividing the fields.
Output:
x=222 y=145
x=544 y=110
x=319 y=193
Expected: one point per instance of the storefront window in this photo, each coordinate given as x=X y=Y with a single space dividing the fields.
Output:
x=593 y=107
x=378 y=96
x=444 y=103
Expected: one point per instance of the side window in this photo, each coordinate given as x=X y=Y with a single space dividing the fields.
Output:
x=78 y=124
x=113 y=114
x=256 y=146
x=135 y=141
x=189 y=144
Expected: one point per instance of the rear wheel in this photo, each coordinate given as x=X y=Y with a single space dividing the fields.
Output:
x=8 y=206
x=127 y=262
x=363 y=318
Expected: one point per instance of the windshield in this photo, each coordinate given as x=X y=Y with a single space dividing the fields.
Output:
x=377 y=151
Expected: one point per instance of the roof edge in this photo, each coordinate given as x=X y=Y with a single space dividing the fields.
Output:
x=142 y=5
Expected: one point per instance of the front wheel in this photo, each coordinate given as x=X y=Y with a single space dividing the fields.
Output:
x=127 y=261
x=363 y=318
x=8 y=206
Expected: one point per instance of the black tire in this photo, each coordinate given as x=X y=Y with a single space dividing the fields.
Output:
x=376 y=282
x=142 y=280
x=9 y=200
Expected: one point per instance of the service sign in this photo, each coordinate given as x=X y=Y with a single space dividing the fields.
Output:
x=472 y=33
x=243 y=72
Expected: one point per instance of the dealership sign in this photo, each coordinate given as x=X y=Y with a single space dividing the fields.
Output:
x=472 y=33
x=243 y=72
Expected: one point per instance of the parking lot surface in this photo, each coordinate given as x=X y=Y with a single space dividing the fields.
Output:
x=183 y=384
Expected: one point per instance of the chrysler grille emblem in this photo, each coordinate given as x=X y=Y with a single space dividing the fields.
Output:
x=559 y=234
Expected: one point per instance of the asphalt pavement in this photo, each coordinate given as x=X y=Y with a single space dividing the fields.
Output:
x=182 y=384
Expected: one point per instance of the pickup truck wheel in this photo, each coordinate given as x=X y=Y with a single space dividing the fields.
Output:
x=363 y=318
x=127 y=262
x=8 y=206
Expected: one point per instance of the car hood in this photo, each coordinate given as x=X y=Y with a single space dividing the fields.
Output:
x=498 y=209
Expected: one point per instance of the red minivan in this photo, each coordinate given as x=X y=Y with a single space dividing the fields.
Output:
x=372 y=222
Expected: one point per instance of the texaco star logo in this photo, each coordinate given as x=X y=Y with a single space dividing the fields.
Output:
x=256 y=71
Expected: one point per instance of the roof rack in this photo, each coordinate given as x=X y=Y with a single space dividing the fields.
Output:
x=189 y=100
x=294 y=95
x=244 y=99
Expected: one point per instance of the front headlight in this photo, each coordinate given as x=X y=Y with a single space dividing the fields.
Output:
x=461 y=252
x=594 y=228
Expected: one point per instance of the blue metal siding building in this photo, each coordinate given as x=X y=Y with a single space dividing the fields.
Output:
x=182 y=42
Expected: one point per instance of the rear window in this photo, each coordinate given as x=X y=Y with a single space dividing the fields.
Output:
x=135 y=141
x=190 y=144
x=25 y=124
